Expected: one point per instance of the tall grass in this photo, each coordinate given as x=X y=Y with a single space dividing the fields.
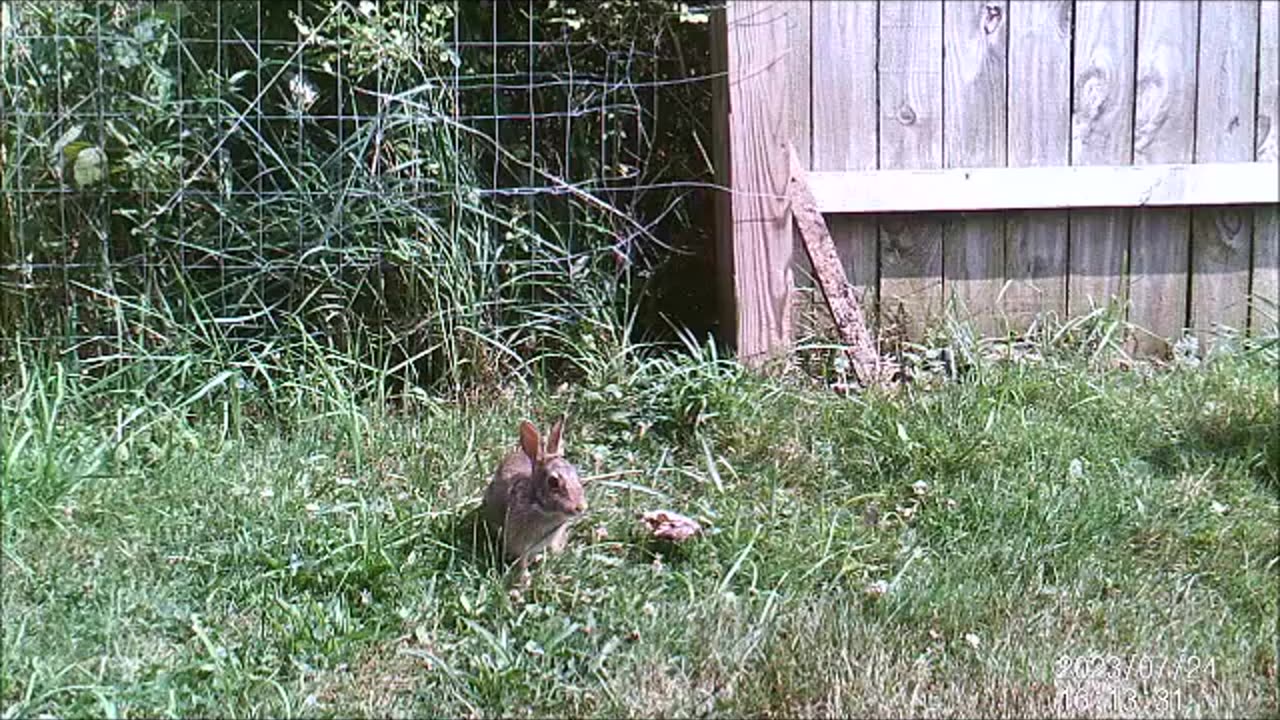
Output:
x=301 y=186
x=935 y=553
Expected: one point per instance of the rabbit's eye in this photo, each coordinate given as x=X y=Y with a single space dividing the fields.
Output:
x=553 y=481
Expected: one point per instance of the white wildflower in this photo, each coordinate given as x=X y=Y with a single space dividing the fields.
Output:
x=1075 y=470
x=1186 y=351
x=303 y=93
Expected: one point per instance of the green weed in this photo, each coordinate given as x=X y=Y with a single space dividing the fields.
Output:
x=949 y=551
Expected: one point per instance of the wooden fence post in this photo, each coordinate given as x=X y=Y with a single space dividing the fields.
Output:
x=754 y=231
x=1222 y=237
x=1264 y=313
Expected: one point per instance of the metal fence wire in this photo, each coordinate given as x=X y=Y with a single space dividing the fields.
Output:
x=199 y=174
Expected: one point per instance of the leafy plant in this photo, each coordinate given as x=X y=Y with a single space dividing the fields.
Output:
x=247 y=181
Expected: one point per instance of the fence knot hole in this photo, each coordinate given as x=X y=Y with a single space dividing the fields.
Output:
x=993 y=13
x=906 y=114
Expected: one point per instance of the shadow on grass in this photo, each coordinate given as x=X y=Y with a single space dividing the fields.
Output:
x=472 y=542
x=1253 y=441
x=472 y=539
x=645 y=550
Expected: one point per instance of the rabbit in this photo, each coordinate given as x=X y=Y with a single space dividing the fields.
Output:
x=534 y=497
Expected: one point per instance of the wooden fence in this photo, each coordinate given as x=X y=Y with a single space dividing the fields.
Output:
x=1013 y=158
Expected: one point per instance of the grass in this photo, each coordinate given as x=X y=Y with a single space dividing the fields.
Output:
x=955 y=551
x=342 y=200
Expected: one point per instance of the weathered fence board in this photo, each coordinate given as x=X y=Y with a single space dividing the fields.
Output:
x=975 y=135
x=1101 y=134
x=800 y=78
x=1220 y=238
x=1039 y=135
x=864 y=355
x=759 y=245
x=1163 y=132
x=1022 y=158
x=910 y=88
x=1044 y=188
x=800 y=99
x=844 y=124
x=1265 y=285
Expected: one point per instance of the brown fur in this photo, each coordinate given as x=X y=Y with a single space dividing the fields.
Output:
x=534 y=496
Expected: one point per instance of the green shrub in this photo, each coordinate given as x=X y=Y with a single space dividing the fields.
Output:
x=246 y=182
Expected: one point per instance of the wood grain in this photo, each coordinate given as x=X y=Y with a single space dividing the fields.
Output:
x=1171 y=106
x=844 y=125
x=910 y=136
x=1164 y=132
x=759 y=162
x=844 y=90
x=1101 y=134
x=800 y=99
x=1035 y=259
x=868 y=366
x=1220 y=238
x=800 y=77
x=975 y=65
x=1265 y=283
x=1045 y=188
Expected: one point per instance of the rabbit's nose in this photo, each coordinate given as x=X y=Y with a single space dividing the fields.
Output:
x=580 y=507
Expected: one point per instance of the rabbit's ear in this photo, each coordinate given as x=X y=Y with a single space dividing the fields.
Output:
x=555 y=444
x=529 y=440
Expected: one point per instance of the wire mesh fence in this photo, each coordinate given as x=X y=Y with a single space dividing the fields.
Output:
x=454 y=186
